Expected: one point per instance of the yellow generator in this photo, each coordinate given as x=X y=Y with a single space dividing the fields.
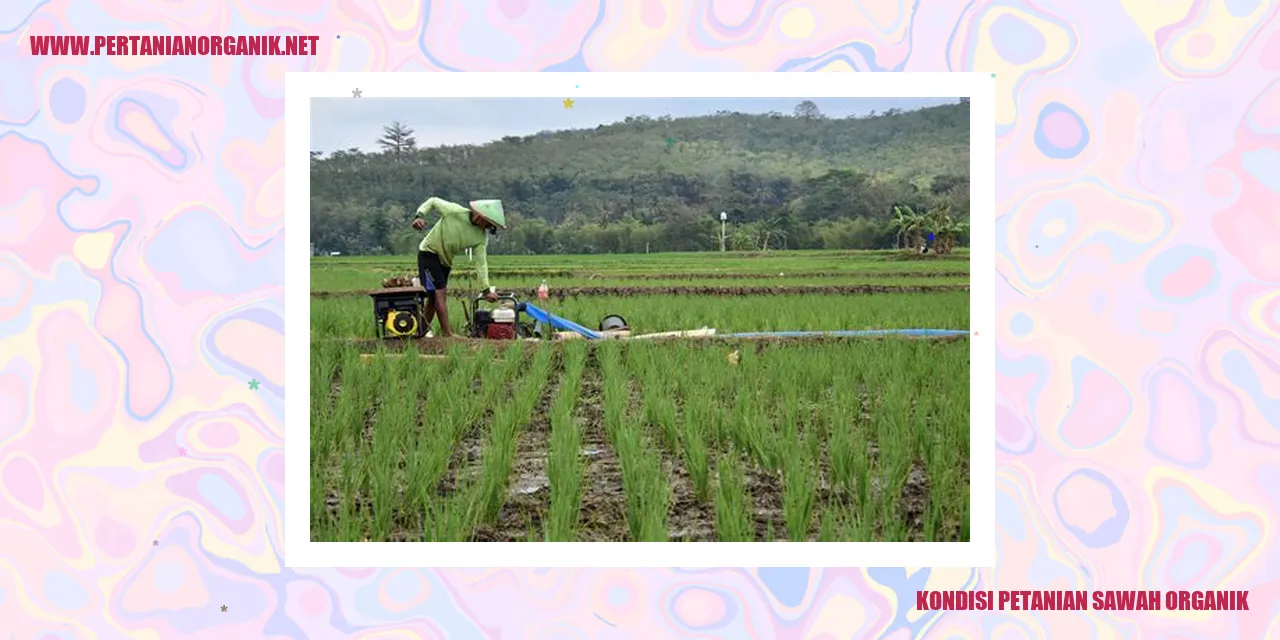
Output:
x=398 y=312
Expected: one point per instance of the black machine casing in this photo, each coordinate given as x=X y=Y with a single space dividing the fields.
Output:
x=407 y=299
x=480 y=321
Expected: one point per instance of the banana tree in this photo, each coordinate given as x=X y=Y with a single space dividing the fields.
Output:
x=946 y=229
x=908 y=226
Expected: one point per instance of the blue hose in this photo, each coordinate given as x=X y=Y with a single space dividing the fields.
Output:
x=544 y=316
x=919 y=333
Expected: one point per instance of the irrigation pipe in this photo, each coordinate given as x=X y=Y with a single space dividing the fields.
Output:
x=919 y=333
x=569 y=326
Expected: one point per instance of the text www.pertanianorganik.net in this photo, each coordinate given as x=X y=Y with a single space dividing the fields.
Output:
x=173 y=45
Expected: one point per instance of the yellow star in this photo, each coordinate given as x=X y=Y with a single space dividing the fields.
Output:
x=568 y=103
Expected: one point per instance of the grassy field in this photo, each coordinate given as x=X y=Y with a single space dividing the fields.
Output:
x=728 y=269
x=732 y=440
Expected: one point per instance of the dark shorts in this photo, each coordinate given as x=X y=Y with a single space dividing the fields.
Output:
x=433 y=273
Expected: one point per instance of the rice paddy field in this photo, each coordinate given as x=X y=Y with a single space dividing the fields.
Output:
x=826 y=439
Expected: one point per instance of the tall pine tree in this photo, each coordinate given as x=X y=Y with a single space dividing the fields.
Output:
x=397 y=139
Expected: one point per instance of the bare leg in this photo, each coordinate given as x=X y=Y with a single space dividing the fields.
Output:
x=428 y=310
x=442 y=311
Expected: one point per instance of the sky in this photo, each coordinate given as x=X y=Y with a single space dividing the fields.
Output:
x=344 y=123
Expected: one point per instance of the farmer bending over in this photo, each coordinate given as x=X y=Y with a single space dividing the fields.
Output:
x=459 y=228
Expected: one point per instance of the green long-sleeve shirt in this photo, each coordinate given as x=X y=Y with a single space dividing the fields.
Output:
x=454 y=234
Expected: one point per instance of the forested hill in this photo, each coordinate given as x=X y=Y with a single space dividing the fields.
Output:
x=796 y=180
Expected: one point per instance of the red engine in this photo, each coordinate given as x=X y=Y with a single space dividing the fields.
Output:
x=500 y=331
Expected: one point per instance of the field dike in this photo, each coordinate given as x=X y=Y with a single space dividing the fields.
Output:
x=766 y=276
x=567 y=292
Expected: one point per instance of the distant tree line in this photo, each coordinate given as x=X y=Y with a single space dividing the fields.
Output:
x=659 y=184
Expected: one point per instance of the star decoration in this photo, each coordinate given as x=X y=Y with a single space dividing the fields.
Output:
x=253 y=384
x=339 y=36
x=182 y=451
x=224 y=608
x=975 y=333
x=155 y=543
x=356 y=93
x=993 y=75
x=568 y=103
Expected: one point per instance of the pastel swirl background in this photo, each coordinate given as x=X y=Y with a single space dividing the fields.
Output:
x=141 y=271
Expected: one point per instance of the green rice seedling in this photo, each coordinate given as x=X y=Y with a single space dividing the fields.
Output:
x=500 y=451
x=696 y=418
x=952 y=409
x=382 y=490
x=798 y=488
x=564 y=464
x=840 y=446
x=392 y=432
x=454 y=519
x=371 y=378
x=752 y=431
x=447 y=521
x=439 y=406
x=733 y=502
x=351 y=480
x=894 y=439
x=852 y=525
x=934 y=512
x=325 y=361
x=326 y=365
x=645 y=490
x=827 y=525
x=860 y=527
x=644 y=487
x=702 y=381
x=660 y=410
x=345 y=431
x=326 y=270
x=331 y=318
x=690 y=382
x=614 y=388
x=349 y=316
x=842 y=526
x=379 y=466
x=775 y=403
x=859 y=462
x=465 y=508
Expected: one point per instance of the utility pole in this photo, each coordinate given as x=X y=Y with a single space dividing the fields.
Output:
x=723 y=217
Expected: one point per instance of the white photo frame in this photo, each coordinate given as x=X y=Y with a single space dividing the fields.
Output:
x=979 y=88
